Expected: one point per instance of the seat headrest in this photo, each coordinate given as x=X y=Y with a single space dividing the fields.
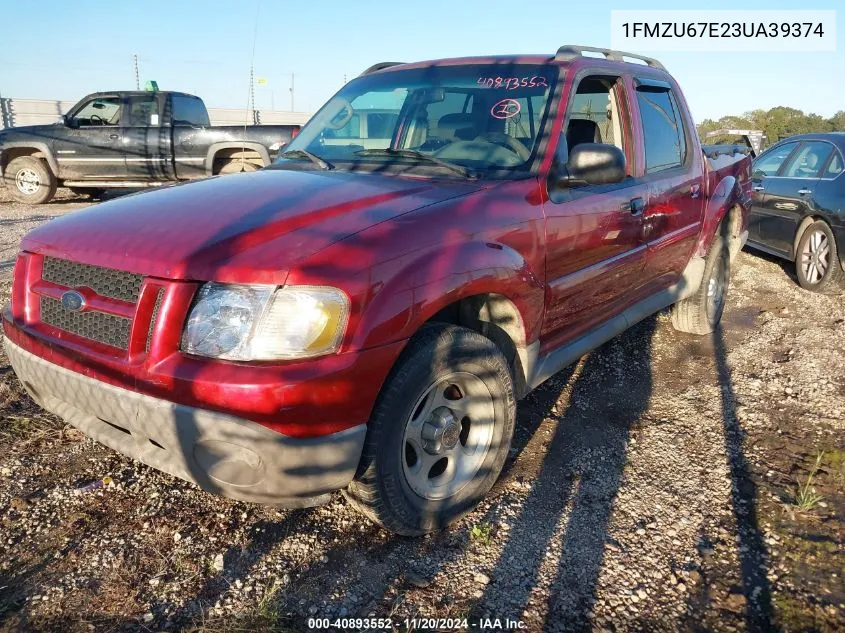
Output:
x=582 y=131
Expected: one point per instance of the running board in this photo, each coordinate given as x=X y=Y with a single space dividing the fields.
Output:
x=114 y=184
x=550 y=364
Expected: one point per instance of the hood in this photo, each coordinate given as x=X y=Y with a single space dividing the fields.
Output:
x=247 y=228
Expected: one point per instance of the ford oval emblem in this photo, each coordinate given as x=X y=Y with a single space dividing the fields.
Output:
x=73 y=301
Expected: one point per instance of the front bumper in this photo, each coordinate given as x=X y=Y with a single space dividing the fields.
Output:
x=221 y=453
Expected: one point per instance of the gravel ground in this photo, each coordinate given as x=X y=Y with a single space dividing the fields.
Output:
x=653 y=486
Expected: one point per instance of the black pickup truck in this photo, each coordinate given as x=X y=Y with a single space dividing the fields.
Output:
x=130 y=139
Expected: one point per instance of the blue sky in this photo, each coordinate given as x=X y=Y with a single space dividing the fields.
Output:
x=65 y=50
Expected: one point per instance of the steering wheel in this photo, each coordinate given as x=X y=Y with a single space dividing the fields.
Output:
x=98 y=118
x=508 y=142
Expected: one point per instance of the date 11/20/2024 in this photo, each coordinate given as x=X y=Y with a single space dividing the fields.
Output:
x=419 y=623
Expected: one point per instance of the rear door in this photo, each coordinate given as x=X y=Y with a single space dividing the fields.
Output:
x=765 y=168
x=146 y=139
x=674 y=176
x=595 y=252
x=789 y=195
x=91 y=146
x=191 y=135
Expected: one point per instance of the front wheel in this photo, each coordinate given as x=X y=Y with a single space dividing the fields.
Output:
x=817 y=259
x=439 y=434
x=29 y=180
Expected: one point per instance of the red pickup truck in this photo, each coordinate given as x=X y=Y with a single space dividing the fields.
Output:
x=364 y=314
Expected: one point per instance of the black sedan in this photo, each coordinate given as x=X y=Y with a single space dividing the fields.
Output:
x=798 y=207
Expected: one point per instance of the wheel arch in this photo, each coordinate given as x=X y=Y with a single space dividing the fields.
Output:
x=727 y=200
x=18 y=149
x=216 y=148
x=492 y=292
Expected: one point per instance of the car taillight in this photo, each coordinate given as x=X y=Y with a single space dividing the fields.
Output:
x=293 y=133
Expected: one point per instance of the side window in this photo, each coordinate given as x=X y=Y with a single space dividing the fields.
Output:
x=189 y=112
x=808 y=160
x=835 y=167
x=98 y=112
x=769 y=163
x=663 y=129
x=595 y=113
x=143 y=111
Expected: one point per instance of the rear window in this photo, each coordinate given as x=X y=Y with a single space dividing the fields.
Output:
x=189 y=111
x=663 y=129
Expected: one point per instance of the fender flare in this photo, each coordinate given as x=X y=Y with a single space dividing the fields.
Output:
x=38 y=147
x=250 y=145
x=725 y=196
x=443 y=275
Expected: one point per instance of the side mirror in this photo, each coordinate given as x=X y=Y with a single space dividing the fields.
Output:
x=70 y=122
x=594 y=164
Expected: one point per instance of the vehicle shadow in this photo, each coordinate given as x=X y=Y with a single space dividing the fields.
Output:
x=561 y=530
x=753 y=553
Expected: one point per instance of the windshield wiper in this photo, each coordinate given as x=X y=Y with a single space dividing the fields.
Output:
x=412 y=153
x=304 y=153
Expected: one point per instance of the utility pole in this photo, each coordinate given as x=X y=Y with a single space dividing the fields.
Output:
x=292 y=109
x=137 y=74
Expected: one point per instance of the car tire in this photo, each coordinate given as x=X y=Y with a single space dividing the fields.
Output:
x=817 y=259
x=439 y=434
x=234 y=166
x=702 y=311
x=29 y=180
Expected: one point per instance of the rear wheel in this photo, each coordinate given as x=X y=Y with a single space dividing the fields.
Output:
x=238 y=162
x=439 y=434
x=29 y=180
x=817 y=259
x=701 y=312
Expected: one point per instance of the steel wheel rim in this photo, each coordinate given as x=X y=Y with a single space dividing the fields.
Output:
x=447 y=436
x=27 y=181
x=716 y=290
x=815 y=257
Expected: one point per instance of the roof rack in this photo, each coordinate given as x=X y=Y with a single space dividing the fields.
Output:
x=380 y=66
x=568 y=52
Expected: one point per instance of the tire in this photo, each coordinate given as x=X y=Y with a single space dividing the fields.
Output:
x=234 y=166
x=403 y=482
x=701 y=312
x=29 y=180
x=817 y=259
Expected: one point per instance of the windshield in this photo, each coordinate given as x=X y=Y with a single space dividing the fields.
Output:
x=481 y=118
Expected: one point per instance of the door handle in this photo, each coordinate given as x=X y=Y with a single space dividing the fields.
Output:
x=636 y=206
x=113 y=136
x=758 y=188
x=804 y=192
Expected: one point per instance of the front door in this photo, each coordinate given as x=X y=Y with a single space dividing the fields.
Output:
x=595 y=253
x=90 y=146
x=789 y=196
x=764 y=172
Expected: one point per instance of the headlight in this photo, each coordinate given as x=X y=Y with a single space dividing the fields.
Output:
x=240 y=322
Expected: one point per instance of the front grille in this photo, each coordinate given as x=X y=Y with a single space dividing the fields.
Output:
x=114 y=284
x=96 y=326
x=154 y=317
